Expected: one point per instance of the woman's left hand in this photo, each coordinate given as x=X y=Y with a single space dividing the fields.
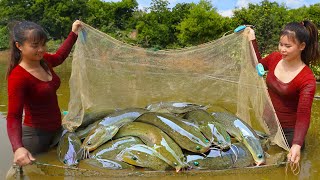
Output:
x=76 y=26
x=294 y=153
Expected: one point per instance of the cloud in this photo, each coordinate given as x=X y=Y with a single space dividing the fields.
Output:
x=226 y=13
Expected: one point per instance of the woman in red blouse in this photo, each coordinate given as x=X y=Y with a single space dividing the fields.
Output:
x=291 y=83
x=32 y=86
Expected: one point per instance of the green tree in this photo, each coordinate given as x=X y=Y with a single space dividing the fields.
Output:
x=268 y=19
x=201 y=25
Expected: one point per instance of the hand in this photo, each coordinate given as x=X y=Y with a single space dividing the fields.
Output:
x=294 y=153
x=76 y=26
x=23 y=157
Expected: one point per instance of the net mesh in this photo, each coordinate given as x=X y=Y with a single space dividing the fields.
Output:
x=108 y=74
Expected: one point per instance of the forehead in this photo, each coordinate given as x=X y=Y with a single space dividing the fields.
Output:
x=35 y=37
x=285 y=39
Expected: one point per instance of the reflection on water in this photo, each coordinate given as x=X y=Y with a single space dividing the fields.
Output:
x=310 y=164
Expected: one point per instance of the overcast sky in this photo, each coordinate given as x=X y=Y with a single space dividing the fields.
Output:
x=225 y=7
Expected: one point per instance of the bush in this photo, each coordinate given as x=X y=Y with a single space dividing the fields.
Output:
x=4 y=38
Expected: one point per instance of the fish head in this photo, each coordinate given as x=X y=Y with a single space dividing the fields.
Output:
x=222 y=138
x=69 y=149
x=98 y=136
x=254 y=146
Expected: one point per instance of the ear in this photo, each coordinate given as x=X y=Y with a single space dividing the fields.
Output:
x=18 y=45
x=302 y=46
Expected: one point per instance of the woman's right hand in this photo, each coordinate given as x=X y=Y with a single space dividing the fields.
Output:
x=23 y=157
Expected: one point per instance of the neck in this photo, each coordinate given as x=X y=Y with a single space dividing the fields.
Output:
x=29 y=64
x=293 y=63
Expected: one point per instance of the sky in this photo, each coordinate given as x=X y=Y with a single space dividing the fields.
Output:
x=225 y=7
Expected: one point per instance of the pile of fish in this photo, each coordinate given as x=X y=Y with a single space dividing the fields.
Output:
x=163 y=136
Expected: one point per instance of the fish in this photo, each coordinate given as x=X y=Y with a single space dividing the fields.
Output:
x=158 y=140
x=238 y=156
x=243 y=133
x=92 y=115
x=112 y=148
x=212 y=130
x=69 y=149
x=109 y=126
x=173 y=107
x=186 y=136
x=107 y=164
x=143 y=156
x=82 y=133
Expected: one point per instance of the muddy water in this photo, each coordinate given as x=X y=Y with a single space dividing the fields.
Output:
x=310 y=164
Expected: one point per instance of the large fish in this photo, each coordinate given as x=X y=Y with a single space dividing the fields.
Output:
x=213 y=131
x=236 y=157
x=69 y=149
x=112 y=148
x=158 y=140
x=109 y=126
x=143 y=156
x=173 y=107
x=243 y=133
x=186 y=136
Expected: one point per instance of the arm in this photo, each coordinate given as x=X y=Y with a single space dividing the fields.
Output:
x=16 y=97
x=65 y=49
x=303 y=119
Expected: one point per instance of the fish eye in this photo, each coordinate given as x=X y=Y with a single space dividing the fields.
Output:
x=259 y=155
x=175 y=164
x=196 y=163
x=219 y=142
x=198 y=148
x=89 y=143
x=65 y=161
x=134 y=158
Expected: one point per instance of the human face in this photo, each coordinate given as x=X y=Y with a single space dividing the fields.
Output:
x=32 y=51
x=290 y=49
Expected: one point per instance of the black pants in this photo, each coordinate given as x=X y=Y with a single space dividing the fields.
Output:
x=37 y=141
x=289 y=133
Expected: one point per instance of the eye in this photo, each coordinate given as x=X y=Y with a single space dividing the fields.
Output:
x=198 y=148
x=220 y=142
x=134 y=158
x=89 y=143
x=65 y=161
x=259 y=155
x=196 y=163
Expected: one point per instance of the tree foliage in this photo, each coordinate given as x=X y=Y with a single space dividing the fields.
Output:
x=157 y=26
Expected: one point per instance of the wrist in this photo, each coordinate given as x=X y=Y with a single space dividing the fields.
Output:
x=296 y=146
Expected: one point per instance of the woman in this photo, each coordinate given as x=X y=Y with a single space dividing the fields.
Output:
x=291 y=83
x=32 y=86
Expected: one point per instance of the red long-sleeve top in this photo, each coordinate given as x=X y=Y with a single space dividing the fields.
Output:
x=292 y=101
x=37 y=98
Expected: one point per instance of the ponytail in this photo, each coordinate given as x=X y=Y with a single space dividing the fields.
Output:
x=311 y=55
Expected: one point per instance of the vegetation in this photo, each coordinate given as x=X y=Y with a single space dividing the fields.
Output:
x=158 y=26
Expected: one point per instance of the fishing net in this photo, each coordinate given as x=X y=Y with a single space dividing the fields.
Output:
x=108 y=74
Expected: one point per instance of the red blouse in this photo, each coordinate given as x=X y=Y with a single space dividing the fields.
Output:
x=292 y=101
x=37 y=98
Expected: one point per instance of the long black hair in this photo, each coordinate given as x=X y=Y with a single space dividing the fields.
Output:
x=304 y=32
x=20 y=32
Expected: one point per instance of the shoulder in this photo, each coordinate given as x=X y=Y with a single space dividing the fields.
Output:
x=307 y=78
x=17 y=78
x=274 y=56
